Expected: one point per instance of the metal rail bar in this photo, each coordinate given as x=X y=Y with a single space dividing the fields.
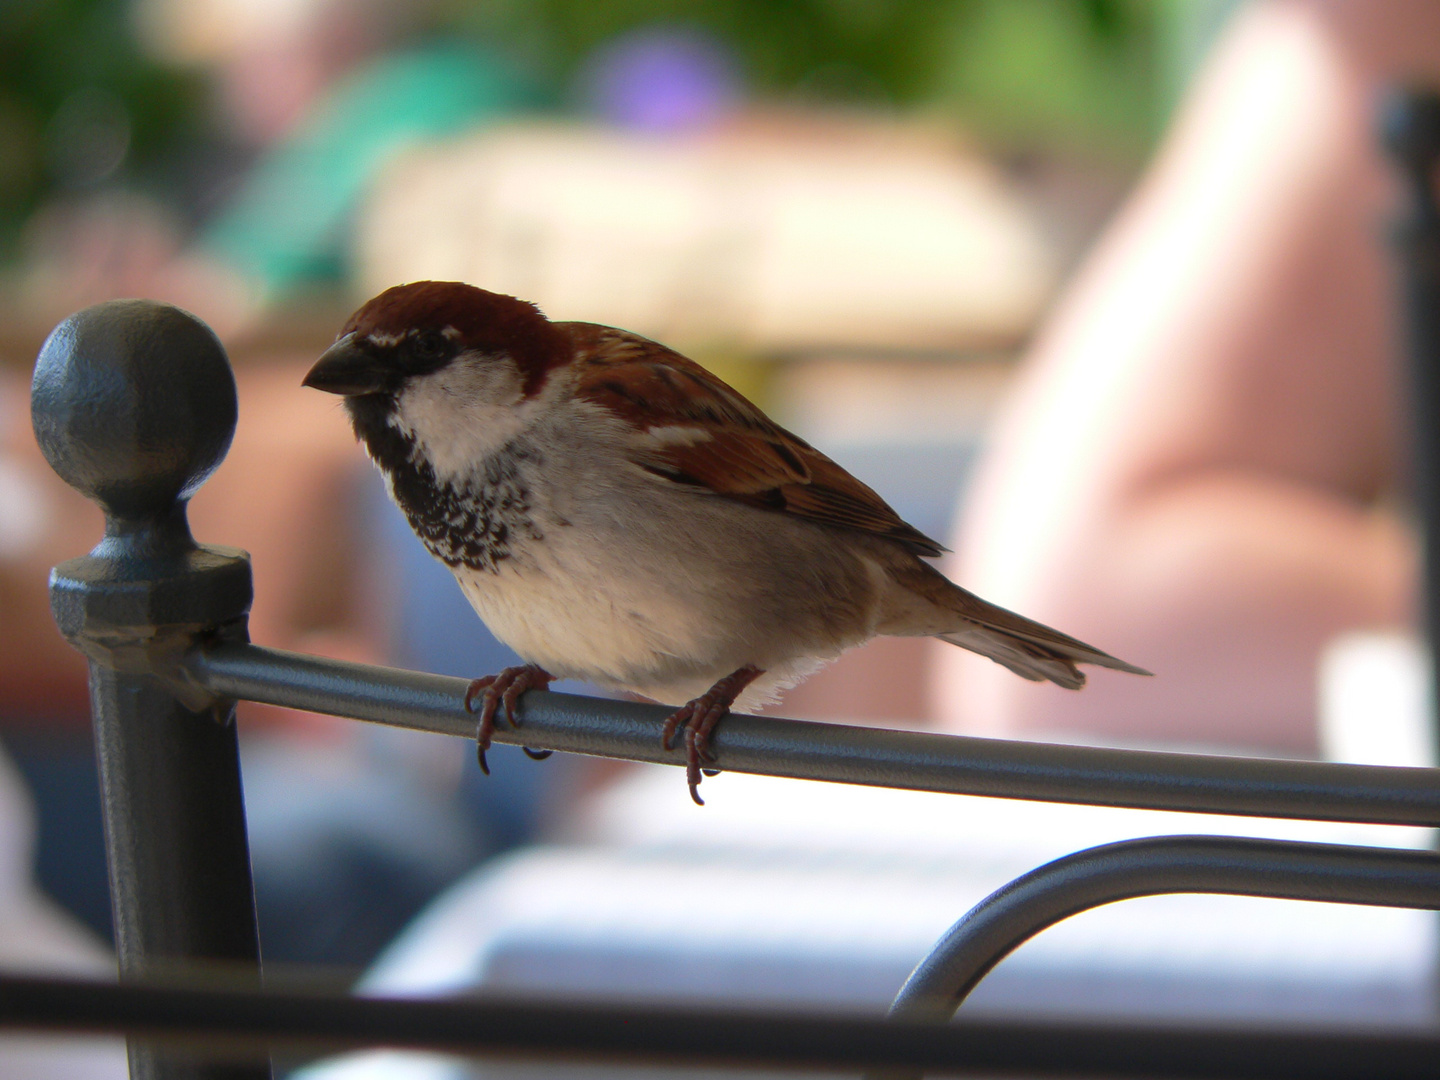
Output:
x=924 y=762
x=1410 y=128
x=1154 y=866
x=235 y=1020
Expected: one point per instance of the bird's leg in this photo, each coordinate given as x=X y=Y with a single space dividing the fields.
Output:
x=699 y=718
x=503 y=689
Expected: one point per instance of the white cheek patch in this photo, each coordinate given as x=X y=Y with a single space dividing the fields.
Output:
x=463 y=413
x=475 y=378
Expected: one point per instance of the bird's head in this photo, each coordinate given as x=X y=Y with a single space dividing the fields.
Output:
x=432 y=357
x=494 y=346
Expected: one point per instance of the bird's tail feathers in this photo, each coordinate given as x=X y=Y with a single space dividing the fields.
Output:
x=1024 y=658
x=1030 y=649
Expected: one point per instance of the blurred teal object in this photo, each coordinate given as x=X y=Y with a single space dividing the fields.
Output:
x=288 y=225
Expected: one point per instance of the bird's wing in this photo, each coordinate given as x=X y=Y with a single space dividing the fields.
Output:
x=699 y=432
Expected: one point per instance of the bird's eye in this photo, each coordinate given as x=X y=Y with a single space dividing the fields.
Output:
x=431 y=345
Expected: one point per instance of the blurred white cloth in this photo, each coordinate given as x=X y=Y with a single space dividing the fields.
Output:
x=1376 y=700
x=36 y=937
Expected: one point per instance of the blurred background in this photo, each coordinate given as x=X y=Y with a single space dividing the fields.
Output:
x=921 y=233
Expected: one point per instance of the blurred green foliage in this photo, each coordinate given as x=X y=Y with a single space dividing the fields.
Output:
x=1080 y=73
x=1077 y=74
x=55 y=53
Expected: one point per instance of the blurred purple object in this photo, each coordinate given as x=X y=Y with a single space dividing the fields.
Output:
x=661 y=79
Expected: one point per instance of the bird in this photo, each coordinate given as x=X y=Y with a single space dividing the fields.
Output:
x=616 y=513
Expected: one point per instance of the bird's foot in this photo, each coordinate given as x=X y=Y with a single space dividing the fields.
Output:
x=699 y=718
x=503 y=689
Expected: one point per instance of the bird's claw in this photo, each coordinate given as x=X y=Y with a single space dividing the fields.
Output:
x=699 y=718
x=503 y=689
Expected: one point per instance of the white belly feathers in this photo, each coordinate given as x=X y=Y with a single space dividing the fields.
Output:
x=631 y=582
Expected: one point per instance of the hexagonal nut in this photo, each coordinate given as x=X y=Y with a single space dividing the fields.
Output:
x=93 y=597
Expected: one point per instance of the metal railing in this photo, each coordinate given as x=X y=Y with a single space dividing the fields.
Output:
x=134 y=405
x=237 y=1020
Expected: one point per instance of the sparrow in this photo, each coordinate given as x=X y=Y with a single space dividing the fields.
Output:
x=617 y=514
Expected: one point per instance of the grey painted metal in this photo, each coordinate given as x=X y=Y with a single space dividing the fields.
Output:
x=904 y=759
x=1154 y=866
x=1014 y=913
x=549 y=1031
x=1411 y=129
x=133 y=404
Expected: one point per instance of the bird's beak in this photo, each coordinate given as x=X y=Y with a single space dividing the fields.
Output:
x=349 y=369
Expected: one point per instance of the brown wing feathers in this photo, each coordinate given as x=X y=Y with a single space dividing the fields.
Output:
x=834 y=495
x=705 y=434
x=709 y=436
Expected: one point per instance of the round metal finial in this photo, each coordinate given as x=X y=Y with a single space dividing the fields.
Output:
x=133 y=404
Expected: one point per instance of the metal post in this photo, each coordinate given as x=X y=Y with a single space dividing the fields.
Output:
x=133 y=404
x=1411 y=125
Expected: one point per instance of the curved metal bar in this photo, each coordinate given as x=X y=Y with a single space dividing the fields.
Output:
x=919 y=761
x=995 y=927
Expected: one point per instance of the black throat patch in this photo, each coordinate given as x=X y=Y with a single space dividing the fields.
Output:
x=473 y=526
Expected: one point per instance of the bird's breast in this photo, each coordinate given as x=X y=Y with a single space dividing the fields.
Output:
x=477 y=521
x=595 y=569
